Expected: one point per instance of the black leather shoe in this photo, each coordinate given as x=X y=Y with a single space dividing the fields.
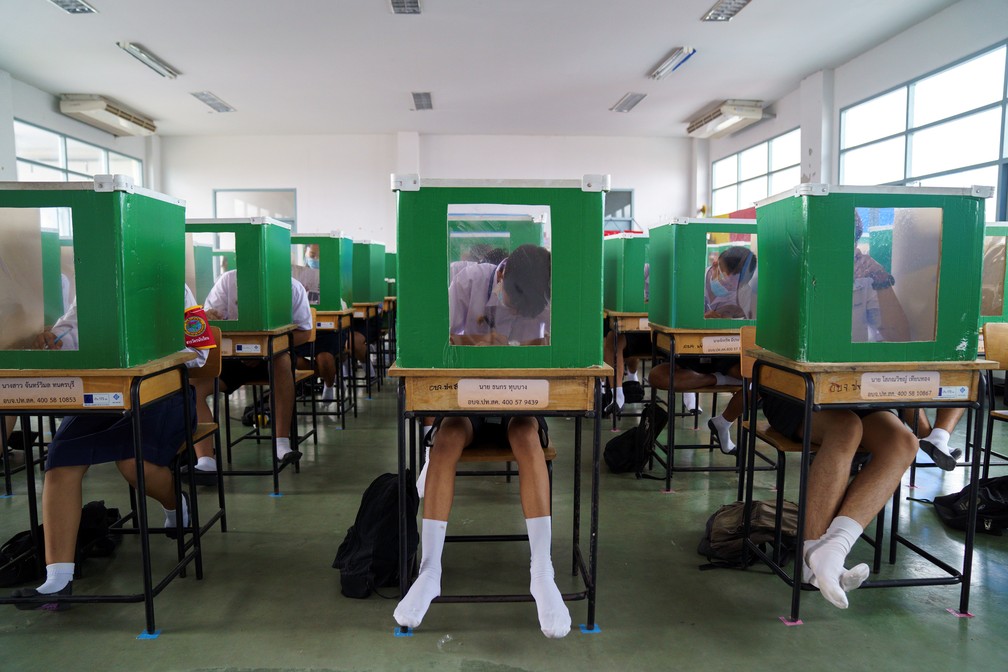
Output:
x=292 y=457
x=944 y=461
x=39 y=599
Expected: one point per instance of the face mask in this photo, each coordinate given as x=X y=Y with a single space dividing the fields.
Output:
x=718 y=289
x=312 y=262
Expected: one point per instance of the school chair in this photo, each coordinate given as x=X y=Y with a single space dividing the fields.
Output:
x=996 y=349
x=304 y=379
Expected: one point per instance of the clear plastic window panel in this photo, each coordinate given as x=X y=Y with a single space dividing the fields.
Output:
x=500 y=274
x=306 y=269
x=993 y=280
x=730 y=276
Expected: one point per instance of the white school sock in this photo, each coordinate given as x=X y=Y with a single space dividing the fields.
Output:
x=939 y=438
x=689 y=401
x=412 y=608
x=328 y=392
x=282 y=447
x=554 y=617
x=723 y=379
x=58 y=575
x=724 y=433
x=170 y=515
x=421 y=481
x=630 y=375
x=824 y=560
x=206 y=464
x=620 y=397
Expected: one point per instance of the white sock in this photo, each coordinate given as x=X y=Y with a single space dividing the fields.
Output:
x=421 y=481
x=412 y=608
x=554 y=617
x=346 y=369
x=630 y=375
x=58 y=575
x=282 y=447
x=824 y=561
x=939 y=438
x=689 y=401
x=170 y=519
x=724 y=433
x=206 y=464
x=620 y=397
x=328 y=392
x=722 y=379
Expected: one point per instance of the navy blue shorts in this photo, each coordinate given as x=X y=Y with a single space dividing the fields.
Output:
x=491 y=429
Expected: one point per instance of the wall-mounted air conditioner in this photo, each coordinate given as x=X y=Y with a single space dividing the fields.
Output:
x=726 y=118
x=105 y=114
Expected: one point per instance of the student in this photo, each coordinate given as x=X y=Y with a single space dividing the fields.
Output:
x=623 y=355
x=328 y=347
x=730 y=285
x=838 y=508
x=494 y=305
x=85 y=440
x=222 y=304
x=707 y=372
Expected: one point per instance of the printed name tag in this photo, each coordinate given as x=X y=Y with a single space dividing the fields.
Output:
x=325 y=325
x=248 y=348
x=503 y=394
x=900 y=385
x=731 y=344
x=358 y=313
x=644 y=324
x=103 y=399
x=41 y=391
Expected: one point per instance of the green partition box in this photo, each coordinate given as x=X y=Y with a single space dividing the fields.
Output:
x=336 y=255
x=262 y=253
x=679 y=257
x=993 y=288
x=623 y=260
x=203 y=260
x=52 y=277
x=369 y=272
x=391 y=273
x=576 y=212
x=807 y=252
x=130 y=268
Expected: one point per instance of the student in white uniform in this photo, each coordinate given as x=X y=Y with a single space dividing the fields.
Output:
x=494 y=305
x=222 y=304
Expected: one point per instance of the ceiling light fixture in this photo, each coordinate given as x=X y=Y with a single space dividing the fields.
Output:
x=727 y=117
x=74 y=6
x=724 y=10
x=405 y=6
x=212 y=101
x=628 y=102
x=422 y=101
x=675 y=58
x=150 y=60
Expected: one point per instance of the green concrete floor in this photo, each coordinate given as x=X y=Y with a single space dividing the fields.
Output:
x=270 y=600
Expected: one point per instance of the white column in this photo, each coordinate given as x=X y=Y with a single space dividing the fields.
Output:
x=8 y=162
x=817 y=128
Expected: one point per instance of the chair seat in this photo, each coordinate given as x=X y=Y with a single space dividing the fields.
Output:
x=493 y=453
x=303 y=374
x=713 y=389
x=999 y=415
x=202 y=431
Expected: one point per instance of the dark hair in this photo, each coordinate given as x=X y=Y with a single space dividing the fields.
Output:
x=740 y=260
x=527 y=279
x=858 y=227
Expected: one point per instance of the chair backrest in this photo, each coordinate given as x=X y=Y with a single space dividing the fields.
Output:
x=212 y=367
x=314 y=323
x=996 y=343
x=748 y=341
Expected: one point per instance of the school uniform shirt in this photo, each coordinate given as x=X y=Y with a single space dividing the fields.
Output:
x=866 y=317
x=223 y=298
x=475 y=309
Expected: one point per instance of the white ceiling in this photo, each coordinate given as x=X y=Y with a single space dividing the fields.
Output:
x=540 y=67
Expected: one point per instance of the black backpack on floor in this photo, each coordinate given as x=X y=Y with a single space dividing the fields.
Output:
x=368 y=558
x=992 y=506
x=630 y=451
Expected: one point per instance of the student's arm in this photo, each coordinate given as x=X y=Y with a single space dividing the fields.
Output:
x=300 y=313
x=892 y=323
x=63 y=335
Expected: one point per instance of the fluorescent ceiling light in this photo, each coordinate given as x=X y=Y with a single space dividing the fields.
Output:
x=627 y=102
x=405 y=6
x=676 y=57
x=727 y=117
x=724 y=10
x=105 y=114
x=150 y=60
x=74 y=6
x=212 y=101
x=422 y=101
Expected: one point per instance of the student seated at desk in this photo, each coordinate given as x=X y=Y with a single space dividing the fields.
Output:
x=494 y=305
x=623 y=355
x=84 y=440
x=934 y=437
x=837 y=507
x=222 y=304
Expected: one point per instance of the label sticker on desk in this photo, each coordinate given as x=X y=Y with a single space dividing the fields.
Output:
x=103 y=399
x=325 y=325
x=900 y=385
x=729 y=343
x=953 y=392
x=248 y=349
x=644 y=324
x=503 y=393
x=42 y=392
x=358 y=313
x=226 y=347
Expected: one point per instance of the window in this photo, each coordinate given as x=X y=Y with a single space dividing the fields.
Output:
x=739 y=180
x=47 y=156
x=945 y=129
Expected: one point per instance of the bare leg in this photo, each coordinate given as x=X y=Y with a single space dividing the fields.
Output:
x=61 y=511
x=204 y=388
x=283 y=388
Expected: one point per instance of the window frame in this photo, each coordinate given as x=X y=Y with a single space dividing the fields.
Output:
x=767 y=174
x=66 y=172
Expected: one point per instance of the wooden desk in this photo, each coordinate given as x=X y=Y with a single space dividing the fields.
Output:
x=623 y=323
x=367 y=311
x=549 y=392
x=863 y=385
x=107 y=391
x=340 y=321
x=265 y=345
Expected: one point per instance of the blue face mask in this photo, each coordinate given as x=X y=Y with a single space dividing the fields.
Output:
x=312 y=262
x=718 y=289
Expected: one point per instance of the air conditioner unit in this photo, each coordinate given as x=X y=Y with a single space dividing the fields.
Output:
x=105 y=114
x=728 y=117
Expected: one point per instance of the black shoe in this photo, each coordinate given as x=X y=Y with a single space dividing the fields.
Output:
x=39 y=602
x=201 y=476
x=292 y=457
x=16 y=439
x=945 y=461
